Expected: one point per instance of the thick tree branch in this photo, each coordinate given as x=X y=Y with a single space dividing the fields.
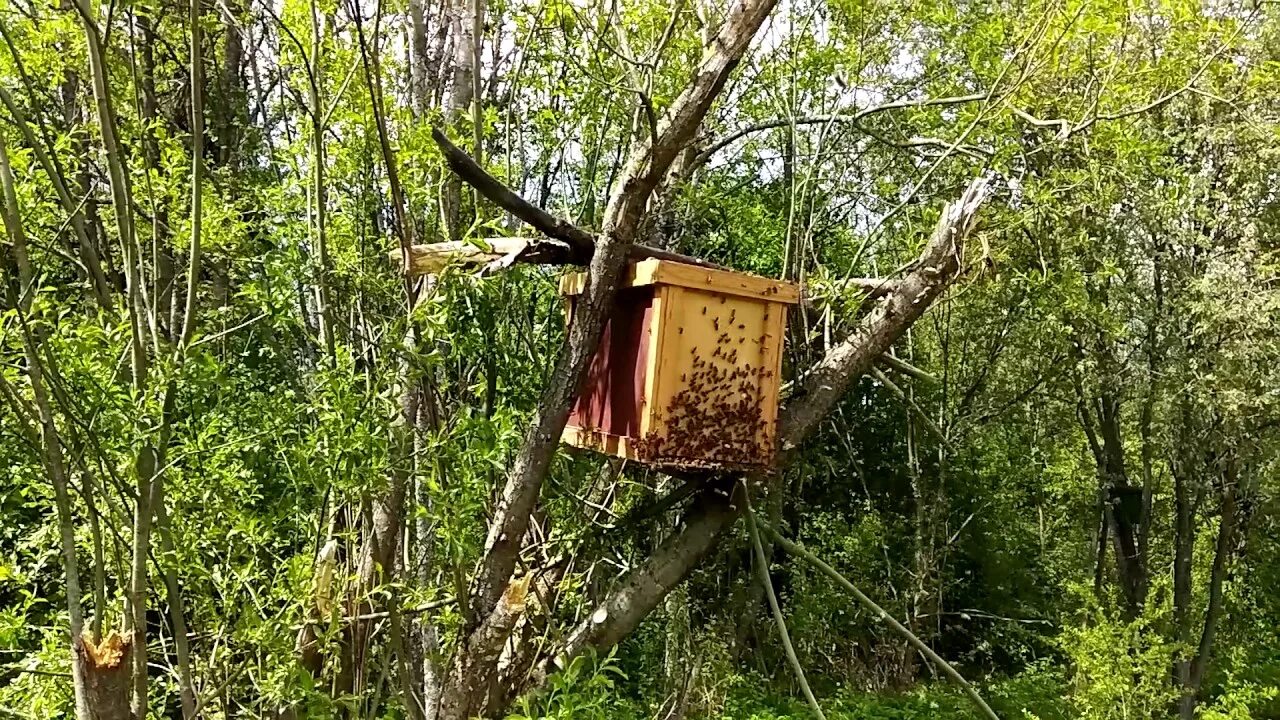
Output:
x=581 y=242
x=576 y=244
x=648 y=165
x=931 y=273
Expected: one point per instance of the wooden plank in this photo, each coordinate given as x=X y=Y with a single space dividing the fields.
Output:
x=616 y=445
x=667 y=303
x=690 y=330
x=712 y=353
x=638 y=274
x=732 y=283
x=775 y=322
x=648 y=272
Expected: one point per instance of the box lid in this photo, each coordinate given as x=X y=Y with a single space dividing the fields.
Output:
x=666 y=272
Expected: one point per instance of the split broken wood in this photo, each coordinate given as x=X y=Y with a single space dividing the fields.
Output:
x=500 y=253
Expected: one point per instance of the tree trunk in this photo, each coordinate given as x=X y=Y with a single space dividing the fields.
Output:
x=495 y=600
x=86 y=235
x=232 y=112
x=50 y=442
x=1228 y=486
x=420 y=77
x=106 y=677
x=716 y=509
x=1184 y=541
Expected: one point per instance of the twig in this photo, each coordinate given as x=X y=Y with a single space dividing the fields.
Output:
x=896 y=363
x=223 y=333
x=383 y=614
x=912 y=406
x=854 y=118
x=879 y=612
x=762 y=564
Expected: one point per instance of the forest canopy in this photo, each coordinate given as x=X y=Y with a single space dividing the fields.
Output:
x=284 y=362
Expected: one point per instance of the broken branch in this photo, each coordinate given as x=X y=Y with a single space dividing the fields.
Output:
x=581 y=242
x=576 y=245
x=879 y=612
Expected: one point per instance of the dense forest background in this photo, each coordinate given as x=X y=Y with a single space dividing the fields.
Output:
x=250 y=468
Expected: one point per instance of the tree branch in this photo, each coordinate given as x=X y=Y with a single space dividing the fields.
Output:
x=879 y=612
x=854 y=118
x=581 y=242
x=762 y=567
x=894 y=362
x=931 y=273
x=576 y=244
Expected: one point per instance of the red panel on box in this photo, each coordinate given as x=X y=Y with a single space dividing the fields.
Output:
x=612 y=394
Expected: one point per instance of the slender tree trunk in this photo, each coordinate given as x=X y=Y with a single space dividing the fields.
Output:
x=1227 y=522
x=419 y=60
x=89 y=677
x=85 y=236
x=464 y=18
x=145 y=463
x=319 y=190
x=496 y=601
x=162 y=296
x=232 y=112
x=1184 y=540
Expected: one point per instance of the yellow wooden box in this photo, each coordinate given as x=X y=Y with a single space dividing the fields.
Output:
x=688 y=369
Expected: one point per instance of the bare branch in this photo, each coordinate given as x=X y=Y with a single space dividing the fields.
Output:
x=853 y=118
x=894 y=362
x=1067 y=128
x=879 y=612
x=762 y=568
x=576 y=244
x=913 y=407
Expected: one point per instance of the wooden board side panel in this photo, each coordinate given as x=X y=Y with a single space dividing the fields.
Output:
x=611 y=398
x=732 y=283
x=666 y=312
x=638 y=274
x=711 y=403
x=615 y=445
x=775 y=321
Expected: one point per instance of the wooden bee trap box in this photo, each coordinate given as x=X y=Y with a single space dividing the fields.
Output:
x=687 y=370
